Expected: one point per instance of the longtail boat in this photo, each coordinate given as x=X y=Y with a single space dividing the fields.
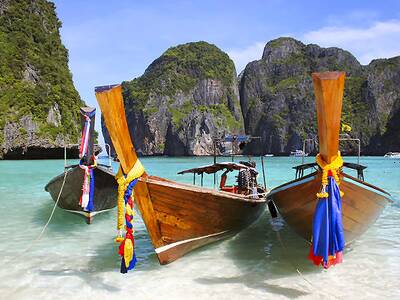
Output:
x=179 y=217
x=301 y=201
x=90 y=187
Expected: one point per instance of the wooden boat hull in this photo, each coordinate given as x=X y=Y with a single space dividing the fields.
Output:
x=178 y=217
x=105 y=191
x=362 y=204
x=188 y=217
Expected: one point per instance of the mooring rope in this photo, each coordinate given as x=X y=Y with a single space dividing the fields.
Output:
x=47 y=223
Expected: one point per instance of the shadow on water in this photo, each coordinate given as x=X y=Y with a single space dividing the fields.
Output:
x=105 y=258
x=91 y=279
x=259 y=284
x=267 y=250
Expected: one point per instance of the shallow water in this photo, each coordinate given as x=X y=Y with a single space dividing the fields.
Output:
x=75 y=261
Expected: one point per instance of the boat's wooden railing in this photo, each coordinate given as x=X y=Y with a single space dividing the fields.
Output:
x=343 y=138
x=359 y=168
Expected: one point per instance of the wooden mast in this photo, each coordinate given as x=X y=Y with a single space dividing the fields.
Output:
x=112 y=107
x=328 y=90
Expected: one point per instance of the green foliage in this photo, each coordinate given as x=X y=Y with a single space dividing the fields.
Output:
x=289 y=83
x=220 y=112
x=179 y=69
x=161 y=147
x=34 y=70
x=386 y=64
x=180 y=113
x=355 y=108
x=222 y=115
x=148 y=111
x=276 y=43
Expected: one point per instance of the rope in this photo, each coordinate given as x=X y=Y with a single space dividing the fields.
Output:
x=22 y=253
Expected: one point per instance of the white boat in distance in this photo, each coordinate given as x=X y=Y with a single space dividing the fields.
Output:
x=298 y=153
x=392 y=155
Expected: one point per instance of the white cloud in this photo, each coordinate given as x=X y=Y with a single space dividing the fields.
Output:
x=379 y=40
x=241 y=57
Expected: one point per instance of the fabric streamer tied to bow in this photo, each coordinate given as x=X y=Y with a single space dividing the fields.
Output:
x=126 y=201
x=328 y=234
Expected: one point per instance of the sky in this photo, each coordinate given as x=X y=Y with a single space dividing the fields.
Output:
x=113 y=41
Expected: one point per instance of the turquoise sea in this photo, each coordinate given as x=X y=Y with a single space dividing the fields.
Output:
x=73 y=260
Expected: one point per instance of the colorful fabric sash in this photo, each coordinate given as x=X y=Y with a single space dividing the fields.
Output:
x=86 y=200
x=126 y=198
x=328 y=235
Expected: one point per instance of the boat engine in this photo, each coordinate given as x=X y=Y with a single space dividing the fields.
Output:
x=247 y=178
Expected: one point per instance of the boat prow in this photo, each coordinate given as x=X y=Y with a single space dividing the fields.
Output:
x=361 y=202
x=178 y=217
x=88 y=179
x=105 y=191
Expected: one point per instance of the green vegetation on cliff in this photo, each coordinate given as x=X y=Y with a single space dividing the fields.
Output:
x=179 y=69
x=185 y=96
x=34 y=74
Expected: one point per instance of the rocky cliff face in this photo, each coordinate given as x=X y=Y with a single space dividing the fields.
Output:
x=383 y=93
x=38 y=103
x=277 y=101
x=189 y=95
x=184 y=98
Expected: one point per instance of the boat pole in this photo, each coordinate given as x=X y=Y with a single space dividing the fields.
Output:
x=215 y=161
x=263 y=171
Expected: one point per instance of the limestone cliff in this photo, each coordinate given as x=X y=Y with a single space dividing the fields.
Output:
x=38 y=102
x=189 y=94
x=277 y=99
x=184 y=98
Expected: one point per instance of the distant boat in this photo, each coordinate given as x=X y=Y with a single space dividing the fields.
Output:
x=298 y=153
x=297 y=201
x=392 y=155
x=268 y=155
x=100 y=188
x=179 y=217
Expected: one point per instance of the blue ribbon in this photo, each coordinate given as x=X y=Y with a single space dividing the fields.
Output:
x=328 y=235
x=90 y=205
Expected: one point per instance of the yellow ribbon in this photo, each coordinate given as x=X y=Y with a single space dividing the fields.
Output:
x=128 y=252
x=334 y=167
x=123 y=183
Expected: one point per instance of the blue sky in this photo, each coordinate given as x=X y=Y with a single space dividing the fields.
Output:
x=112 y=41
